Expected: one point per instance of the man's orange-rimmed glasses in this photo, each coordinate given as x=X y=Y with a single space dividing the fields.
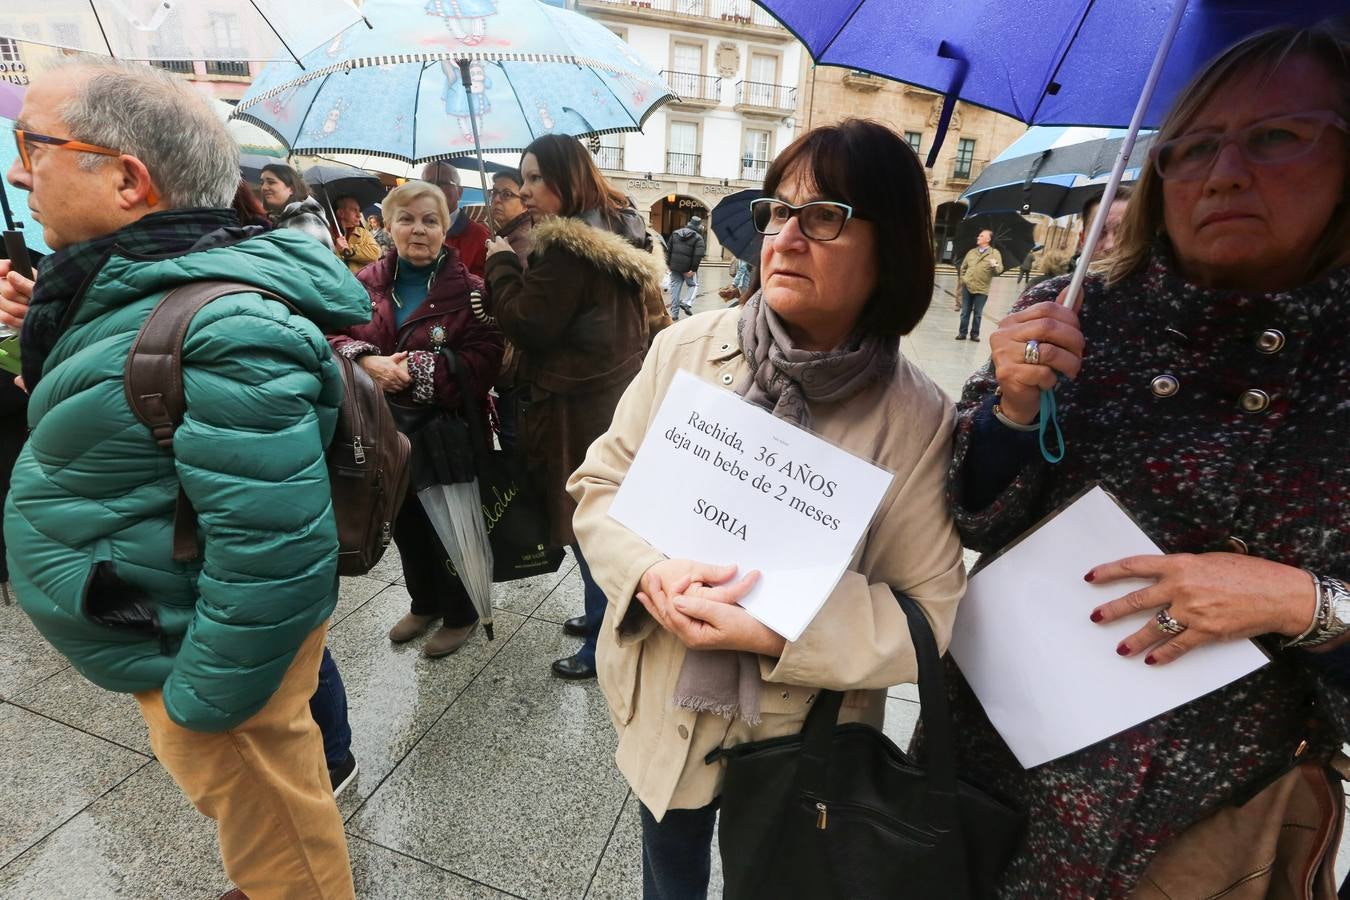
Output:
x=23 y=138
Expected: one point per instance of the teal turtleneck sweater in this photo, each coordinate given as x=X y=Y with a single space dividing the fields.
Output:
x=411 y=286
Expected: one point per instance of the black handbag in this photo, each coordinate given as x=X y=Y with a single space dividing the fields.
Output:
x=840 y=811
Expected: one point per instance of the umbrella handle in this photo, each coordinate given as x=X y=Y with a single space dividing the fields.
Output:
x=1122 y=158
x=466 y=79
x=1049 y=423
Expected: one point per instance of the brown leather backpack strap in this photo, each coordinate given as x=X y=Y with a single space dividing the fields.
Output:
x=153 y=380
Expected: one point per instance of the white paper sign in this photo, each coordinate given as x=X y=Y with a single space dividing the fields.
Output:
x=1047 y=676
x=722 y=481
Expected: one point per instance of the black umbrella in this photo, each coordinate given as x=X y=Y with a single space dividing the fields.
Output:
x=1013 y=236
x=733 y=227
x=330 y=181
x=1055 y=182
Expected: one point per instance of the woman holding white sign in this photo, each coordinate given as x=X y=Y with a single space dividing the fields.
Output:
x=847 y=268
x=1209 y=372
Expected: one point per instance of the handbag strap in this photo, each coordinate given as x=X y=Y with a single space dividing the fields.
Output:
x=818 y=731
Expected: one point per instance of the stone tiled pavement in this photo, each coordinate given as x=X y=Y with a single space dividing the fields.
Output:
x=481 y=775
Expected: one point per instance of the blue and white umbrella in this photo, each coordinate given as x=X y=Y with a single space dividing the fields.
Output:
x=398 y=89
x=1053 y=170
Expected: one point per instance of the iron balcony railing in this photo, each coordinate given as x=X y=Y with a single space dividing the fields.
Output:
x=689 y=86
x=181 y=66
x=609 y=157
x=682 y=163
x=765 y=95
x=735 y=12
x=754 y=169
x=227 y=67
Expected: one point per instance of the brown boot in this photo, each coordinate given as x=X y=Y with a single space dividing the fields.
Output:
x=447 y=640
x=234 y=894
x=409 y=627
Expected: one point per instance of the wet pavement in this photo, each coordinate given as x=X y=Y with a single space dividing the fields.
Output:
x=481 y=775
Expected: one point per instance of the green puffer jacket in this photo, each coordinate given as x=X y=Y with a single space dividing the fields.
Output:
x=89 y=519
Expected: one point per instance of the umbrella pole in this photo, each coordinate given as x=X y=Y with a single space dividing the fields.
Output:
x=1123 y=157
x=466 y=79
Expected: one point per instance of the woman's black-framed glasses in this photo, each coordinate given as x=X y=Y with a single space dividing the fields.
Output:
x=23 y=138
x=502 y=194
x=1278 y=139
x=819 y=220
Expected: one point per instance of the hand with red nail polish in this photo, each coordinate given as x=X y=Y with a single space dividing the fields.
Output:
x=1214 y=596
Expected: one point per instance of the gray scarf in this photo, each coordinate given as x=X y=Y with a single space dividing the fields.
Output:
x=782 y=379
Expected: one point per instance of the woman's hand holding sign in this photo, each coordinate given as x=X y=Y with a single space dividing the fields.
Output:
x=696 y=602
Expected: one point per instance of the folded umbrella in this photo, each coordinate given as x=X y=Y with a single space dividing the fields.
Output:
x=733 y=226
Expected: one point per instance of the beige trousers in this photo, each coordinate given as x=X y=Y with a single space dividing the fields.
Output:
x=265 y=783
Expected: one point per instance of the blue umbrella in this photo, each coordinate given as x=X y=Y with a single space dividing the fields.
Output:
x=731 y=222
x=428 y=75
x=1044 y=62
x=1052 y=170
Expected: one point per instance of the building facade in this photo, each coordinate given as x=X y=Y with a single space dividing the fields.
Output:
x=738 y=76
x=975 y=135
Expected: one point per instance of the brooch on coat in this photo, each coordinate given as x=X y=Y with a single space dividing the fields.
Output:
x=437 y=334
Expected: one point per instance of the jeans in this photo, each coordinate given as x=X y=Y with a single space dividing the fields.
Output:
x=328 y=706
x=686 y=286
x=595 y=609
x=677 y=853
x=971 y=303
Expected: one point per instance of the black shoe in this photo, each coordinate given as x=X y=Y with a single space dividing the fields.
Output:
x=960 y=337
x=974 y=337
x=575 y=626
x=572 y=668
x=343 y=774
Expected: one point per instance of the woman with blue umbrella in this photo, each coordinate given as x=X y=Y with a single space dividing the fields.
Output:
x=1206 y=373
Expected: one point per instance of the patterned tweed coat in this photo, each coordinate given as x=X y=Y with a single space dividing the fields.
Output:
x=1197 y=469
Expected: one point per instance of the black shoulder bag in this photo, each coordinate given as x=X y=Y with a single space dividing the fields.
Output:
x=839 y=811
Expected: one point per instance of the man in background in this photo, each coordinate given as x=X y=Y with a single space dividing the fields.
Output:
x=684 y=255
x=468 y=237
x=978 y=270
x=355 y=244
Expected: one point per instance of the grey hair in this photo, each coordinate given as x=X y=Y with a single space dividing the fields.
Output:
x=155 y=117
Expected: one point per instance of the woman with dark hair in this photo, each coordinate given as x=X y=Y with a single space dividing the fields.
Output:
x=581 y=318
x=1207 y=392
x=289 y=205
x=847 y=267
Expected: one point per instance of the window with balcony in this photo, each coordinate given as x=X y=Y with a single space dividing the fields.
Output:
x=609 y=151
x=755 y=154
x=181 y=66
x=965 y=159
x=763 y=72
x=682 y=153
x=915 y=140
x=66 y=34
x=236 y=67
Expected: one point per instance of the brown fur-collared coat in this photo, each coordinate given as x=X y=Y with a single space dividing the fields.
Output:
x=581 y=319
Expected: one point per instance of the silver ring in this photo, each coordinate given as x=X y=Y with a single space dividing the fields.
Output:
x=1032 y=354
x=1168 y=625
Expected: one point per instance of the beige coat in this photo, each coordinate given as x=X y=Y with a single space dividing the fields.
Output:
x=858 y=642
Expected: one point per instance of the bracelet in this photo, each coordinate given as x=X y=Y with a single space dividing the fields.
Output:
x=1015 y=426
x=1320 y=613
x=1333 y=613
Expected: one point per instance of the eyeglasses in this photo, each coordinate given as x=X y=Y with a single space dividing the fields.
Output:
x=819 y=220
x=502 y=194
x=1278 y=139
x=23 y=138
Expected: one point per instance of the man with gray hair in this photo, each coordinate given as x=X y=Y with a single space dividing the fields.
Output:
x=131 y=177
x=466 y=237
